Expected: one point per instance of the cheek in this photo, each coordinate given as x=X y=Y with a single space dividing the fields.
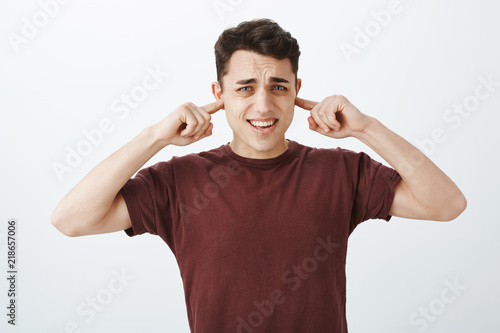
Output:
x=288 y=117
x=232 y=117
x=235 y=111
x=288 y=110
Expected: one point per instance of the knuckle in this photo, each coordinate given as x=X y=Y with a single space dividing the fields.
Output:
x=342 y=98
x=184 y=108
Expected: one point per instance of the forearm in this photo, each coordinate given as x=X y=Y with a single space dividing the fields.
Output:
x=89 y=201
x=435 y=194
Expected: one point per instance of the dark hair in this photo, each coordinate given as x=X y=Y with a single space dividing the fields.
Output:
x=262 y=36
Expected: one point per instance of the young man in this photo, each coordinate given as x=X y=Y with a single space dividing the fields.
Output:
x=259 y=226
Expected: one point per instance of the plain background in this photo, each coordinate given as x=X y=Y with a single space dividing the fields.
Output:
x=66 y=79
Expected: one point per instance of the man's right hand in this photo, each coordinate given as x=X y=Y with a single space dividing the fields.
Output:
x=186 y=124
x=94 y=205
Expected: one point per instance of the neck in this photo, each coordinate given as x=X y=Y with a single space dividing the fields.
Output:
x=249 y=152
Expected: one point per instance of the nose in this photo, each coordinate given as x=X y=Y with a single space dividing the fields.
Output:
x=263 y=102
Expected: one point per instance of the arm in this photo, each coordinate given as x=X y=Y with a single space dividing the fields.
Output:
x=425 y=191
x=94 y=206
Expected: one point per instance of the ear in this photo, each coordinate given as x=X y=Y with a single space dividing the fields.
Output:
x=299 y=84
x=217 y=90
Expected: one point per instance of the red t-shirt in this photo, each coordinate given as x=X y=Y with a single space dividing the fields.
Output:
x=261 y=243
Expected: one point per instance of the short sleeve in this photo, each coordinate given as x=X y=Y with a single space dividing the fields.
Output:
x=147 y=197
x=374 y=190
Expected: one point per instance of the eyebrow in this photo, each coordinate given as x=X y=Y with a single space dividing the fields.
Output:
x=272 y=79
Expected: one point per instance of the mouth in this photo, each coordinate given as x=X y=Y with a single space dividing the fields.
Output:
x=265 y=126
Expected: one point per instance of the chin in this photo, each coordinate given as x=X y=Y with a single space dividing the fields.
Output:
x=264 y=144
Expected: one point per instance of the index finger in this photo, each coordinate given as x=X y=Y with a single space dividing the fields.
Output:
x=213 y=107
x=305 y=104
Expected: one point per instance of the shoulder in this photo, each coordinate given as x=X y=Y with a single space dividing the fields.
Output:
x=196 y=164
x=339 y=160
x=335 y=153
x=209 y=156
x=187 y=162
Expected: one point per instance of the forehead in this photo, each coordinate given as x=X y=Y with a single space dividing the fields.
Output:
x=247 y=64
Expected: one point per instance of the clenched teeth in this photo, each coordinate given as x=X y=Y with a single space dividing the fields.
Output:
x=263 y=123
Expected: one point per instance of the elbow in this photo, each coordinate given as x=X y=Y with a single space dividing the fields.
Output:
x=456 y=207
x=61 y=224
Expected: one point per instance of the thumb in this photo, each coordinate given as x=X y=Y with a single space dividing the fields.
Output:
x=312 y=124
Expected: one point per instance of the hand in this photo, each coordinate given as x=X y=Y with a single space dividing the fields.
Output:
x=335 y=117
x=187 y=123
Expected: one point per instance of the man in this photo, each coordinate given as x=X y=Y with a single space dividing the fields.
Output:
x=259 y=226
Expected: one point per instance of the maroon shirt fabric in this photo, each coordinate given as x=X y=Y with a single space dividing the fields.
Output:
x=261 y=243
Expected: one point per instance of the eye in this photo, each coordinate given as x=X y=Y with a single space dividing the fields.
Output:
x=279 y=88
x=244 y=89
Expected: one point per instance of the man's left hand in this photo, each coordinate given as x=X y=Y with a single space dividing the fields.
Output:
x=335 y=117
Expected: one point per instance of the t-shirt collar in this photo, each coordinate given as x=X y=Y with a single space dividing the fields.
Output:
x=291 y=147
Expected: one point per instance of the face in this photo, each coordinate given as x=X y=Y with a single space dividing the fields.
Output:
x=259 y=99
